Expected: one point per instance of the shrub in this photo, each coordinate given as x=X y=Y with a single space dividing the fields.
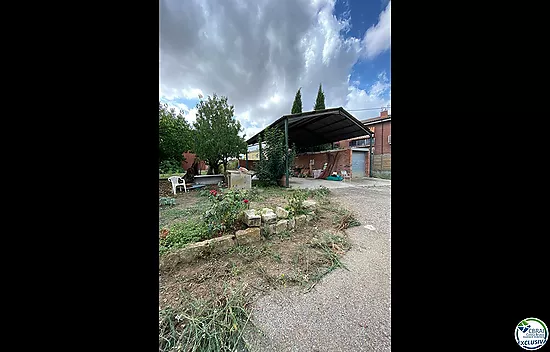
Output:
x=170 y=167
x=225 y=209
x=272 y=167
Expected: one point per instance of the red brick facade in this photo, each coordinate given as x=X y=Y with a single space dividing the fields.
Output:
x=381 y=127
x=189 y=159
x=320 y=158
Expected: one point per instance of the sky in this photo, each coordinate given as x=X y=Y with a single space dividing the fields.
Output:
x=258 y=53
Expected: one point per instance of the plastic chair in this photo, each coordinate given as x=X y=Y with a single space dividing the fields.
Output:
x=345 y=175
x=177 y=181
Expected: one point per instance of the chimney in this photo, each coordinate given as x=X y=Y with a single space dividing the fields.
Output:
x=384 y=113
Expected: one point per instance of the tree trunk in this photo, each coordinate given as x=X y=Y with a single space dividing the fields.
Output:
x=213 y=168
x=224 y=165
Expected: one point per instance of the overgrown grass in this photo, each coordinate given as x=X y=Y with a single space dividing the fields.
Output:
x=216 y=324
x=182 y=233
x=168 y=215
x=319 y=194
x=343 y=219
x=332 y=246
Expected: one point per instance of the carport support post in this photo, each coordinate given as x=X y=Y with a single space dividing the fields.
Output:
x=371 y=158
x=260 y=146
x=286 y=159
x=246 y=157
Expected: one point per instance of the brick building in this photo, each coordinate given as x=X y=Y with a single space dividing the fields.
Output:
x=189 y=159
x=381 y=158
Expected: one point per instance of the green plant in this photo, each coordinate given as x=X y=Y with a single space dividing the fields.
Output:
x=296 y=202
x=217 y=133
x=343 y=219
x=170 y=167
x=205 y=325
x=182 y=233
x=225 y=209
x=167 y=201
x=273 y=166
x=284 y=234
x=297 y=104
x=174 y=133
x=330 y=245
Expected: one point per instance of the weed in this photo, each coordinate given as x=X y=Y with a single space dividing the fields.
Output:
x=205 y=325
x=344 y=219
x=296 y=202
x=276 y=257
x=182 y=233
x=319 y=194
x=235 y=270
x=167 y=201
x=284 y=235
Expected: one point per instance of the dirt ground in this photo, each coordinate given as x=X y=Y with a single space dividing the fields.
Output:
x=298 y=258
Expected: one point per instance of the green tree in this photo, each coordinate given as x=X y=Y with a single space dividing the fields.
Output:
x=297 y=105
x=174 y=137
x=320 y=101
x=217 y=133
x=272 y=165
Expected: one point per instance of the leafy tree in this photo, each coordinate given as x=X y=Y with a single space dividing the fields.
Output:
x=297 y=105
x=272 y=165
x=174 y=137
x=320 y=101
x=217 y=133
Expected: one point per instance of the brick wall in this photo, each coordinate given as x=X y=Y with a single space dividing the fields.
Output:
x=189 y=159
x=251 y=164
x=381 y=162
x=381 y=145
x=320 y=158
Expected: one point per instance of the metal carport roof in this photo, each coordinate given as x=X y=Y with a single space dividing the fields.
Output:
x=318 y=127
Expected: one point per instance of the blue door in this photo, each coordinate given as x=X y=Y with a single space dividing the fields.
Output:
x=358 y=163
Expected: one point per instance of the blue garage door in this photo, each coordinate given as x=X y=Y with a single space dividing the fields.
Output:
x=358 y=163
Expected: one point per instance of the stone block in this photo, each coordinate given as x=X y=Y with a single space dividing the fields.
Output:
x=269 y=217
x=251 y=219
x=282 y=225
x=292 y=224
x=300 y=221
x=281 y=213
x=221 y=244
x=250 y=235
x=268 y=229
x=309 y=204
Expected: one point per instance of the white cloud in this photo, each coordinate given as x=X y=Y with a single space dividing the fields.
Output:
x=189 y=114
x=193 y=93
x=378 y=38
x=258 y=53
x=372 y=98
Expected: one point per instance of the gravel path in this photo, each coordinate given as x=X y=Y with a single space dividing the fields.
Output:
x=347 y=310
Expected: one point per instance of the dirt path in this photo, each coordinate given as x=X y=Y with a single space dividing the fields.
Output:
x=347 y=310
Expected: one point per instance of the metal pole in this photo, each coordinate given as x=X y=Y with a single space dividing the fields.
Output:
x=286 y=159
x=246 y=157
x=370 y=155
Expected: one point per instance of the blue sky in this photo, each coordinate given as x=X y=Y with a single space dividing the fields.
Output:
x=259 y=52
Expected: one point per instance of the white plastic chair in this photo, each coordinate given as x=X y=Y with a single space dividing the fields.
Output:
x=177 y=181
x=345 y=175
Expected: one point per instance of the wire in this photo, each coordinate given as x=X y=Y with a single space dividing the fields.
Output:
x=383 y=107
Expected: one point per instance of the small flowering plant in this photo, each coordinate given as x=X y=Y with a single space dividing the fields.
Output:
x=225 y=209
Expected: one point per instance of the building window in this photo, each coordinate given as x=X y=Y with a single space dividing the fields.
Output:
x=361 y=143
